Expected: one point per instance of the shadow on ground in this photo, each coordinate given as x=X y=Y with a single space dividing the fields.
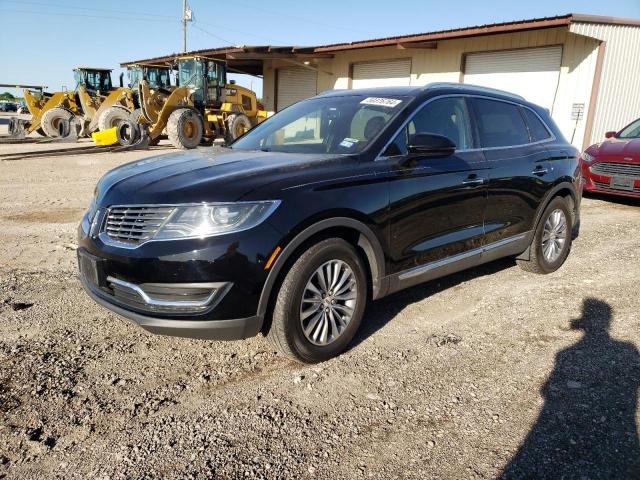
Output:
x=587 y=427
x=381 y=312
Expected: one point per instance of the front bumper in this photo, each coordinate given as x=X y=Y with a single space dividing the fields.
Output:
x=148 y=285
x=597 y=183
x=235 y=329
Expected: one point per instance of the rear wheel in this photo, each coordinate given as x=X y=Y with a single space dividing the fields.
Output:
x=112 y=117
x=237 y=125
x=552 y=239
x=320 y=302
x=51 y=120
x=184 y=128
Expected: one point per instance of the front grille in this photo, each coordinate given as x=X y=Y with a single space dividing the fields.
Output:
x=135 y=225
x=606 y=186
x=615 y=168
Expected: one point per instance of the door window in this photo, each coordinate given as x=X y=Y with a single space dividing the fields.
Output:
x=500 y=124
x=537 y=130
x=447 y=116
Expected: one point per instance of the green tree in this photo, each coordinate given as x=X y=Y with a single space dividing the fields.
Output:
x=7 y=96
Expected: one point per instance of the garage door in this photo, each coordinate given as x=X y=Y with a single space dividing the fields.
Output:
x=382 y=74
x=295 y=84
x=532 y=72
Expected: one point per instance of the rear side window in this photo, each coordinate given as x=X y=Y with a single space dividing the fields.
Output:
x=536 y=128
x=500 y=124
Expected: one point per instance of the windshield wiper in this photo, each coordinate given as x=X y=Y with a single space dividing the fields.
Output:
x=265 y=149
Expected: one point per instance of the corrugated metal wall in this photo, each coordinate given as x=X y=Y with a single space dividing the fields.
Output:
x=619 y=95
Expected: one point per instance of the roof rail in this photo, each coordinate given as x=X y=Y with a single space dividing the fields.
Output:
x=476 y=88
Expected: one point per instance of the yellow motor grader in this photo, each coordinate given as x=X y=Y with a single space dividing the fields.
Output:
x=203 y=105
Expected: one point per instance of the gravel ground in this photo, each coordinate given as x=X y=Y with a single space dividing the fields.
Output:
x=491 y=372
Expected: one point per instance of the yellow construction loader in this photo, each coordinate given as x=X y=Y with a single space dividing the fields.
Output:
x=94 y=105
x=203 y=105
x=44 y=118
x=103 y=106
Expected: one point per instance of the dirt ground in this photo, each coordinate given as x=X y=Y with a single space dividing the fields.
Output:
x=486 y=373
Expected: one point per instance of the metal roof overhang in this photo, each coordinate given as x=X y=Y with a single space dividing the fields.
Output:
x=243 y=59
x=249 y=59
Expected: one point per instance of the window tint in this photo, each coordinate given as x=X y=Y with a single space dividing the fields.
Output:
x=326 y=124
x=448 y=117
x=536 y=128
x=367 y=123
x=500 y=124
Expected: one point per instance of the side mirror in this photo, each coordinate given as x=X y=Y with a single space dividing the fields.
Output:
x=610 y=134
x=430 y=145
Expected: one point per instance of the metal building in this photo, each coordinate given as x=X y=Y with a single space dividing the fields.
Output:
x=584 y=69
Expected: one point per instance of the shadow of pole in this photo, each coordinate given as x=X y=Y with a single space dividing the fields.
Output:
x=587 y=427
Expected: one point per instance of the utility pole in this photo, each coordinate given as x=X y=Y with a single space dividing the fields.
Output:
x=184 y=26
x=187 y=16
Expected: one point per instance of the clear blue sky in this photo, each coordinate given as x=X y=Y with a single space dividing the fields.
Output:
x=42 y=40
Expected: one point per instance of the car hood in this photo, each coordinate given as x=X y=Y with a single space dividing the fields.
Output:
x=618 y=149
x=203 y=175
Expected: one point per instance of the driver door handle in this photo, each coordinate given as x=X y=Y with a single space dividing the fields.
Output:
x=473 y=180
x=540 y=171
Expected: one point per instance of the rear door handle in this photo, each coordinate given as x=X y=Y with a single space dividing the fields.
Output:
x=540 y=171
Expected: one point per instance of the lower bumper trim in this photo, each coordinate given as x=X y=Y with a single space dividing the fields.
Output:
x=235 y=329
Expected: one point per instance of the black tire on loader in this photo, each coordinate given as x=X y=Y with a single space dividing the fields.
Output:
x=112 y=117
x=237 y=125
x=185 y=128
x=51 y=119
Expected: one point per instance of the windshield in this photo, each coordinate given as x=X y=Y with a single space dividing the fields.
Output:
x=190 y=73
x=631 y=131
x=158 y=77
x=341 y=125
x=135 y=75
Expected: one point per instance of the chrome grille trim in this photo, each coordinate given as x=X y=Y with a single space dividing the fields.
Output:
x=606 y=186
x=616 y=168
x=132 y=225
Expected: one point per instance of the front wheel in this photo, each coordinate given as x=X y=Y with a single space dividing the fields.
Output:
x=53 y=119
x=184 y=128
x=552 y=239
x=112 y=117
x=320 y=302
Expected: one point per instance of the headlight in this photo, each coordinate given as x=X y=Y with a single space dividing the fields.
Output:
x=192 y=221
x=588 y=158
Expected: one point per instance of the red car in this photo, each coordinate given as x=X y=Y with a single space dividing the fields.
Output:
x=613 y=166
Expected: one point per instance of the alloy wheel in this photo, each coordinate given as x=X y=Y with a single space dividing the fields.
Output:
x=328 y=302
x=554 y=235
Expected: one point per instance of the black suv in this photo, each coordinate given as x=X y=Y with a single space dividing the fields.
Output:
x=333 y=202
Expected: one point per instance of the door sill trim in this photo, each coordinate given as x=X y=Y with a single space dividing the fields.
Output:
x=421 y=269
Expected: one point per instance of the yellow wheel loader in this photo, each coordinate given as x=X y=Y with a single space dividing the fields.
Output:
x=203 y=105
x=94 y=104
x=103 y=106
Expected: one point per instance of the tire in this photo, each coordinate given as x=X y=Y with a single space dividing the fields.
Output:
x=184 y=128
x=127 y=133
x=237 y=125
x=542 y=263
x=112 y=117
x=50 y=121
x=286 y=331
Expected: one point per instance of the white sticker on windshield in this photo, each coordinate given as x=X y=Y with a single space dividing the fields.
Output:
x=381 y=101
x=348 y=142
